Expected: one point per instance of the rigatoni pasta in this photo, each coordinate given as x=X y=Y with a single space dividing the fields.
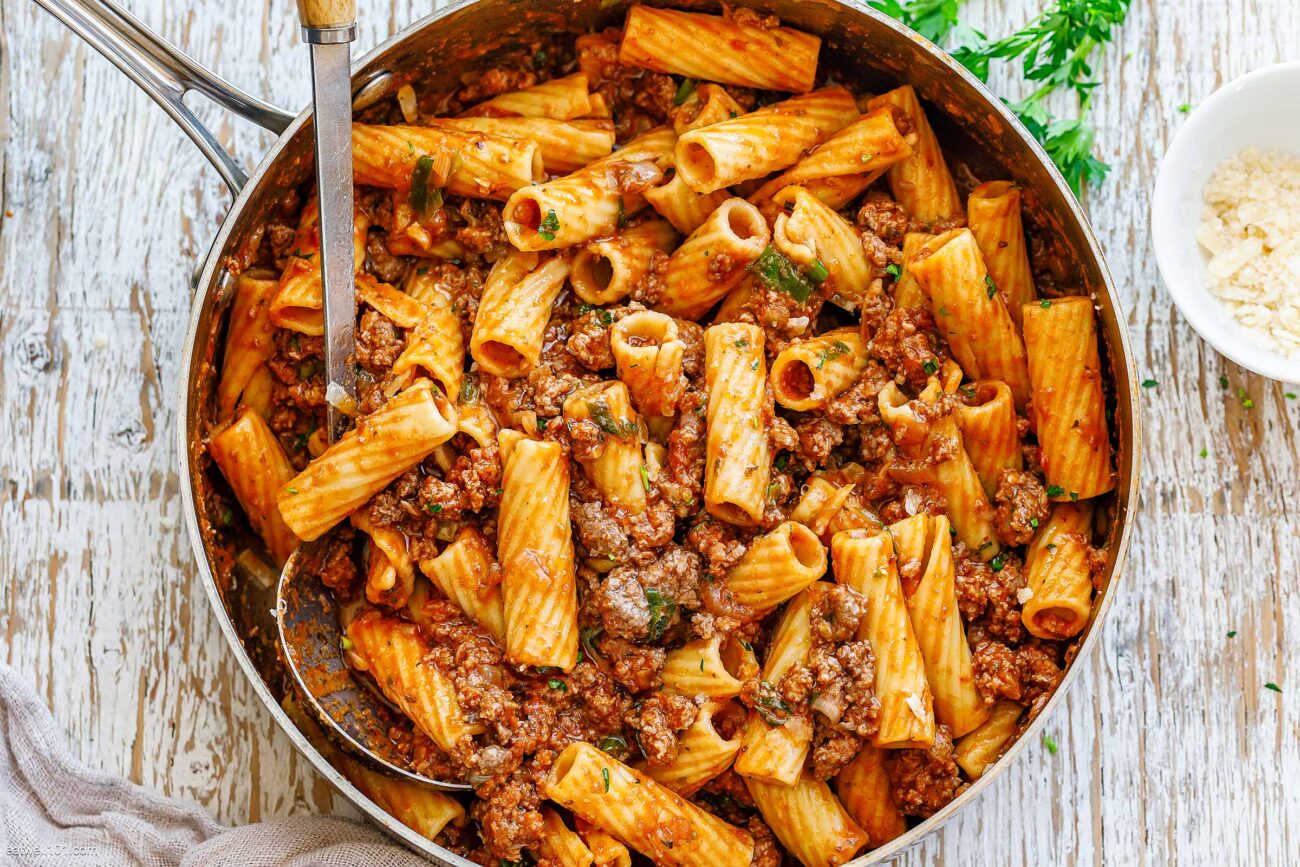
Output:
x=1069 y=412
x=606 y=271
x=514 y=310
x=809 y=821
x=1060 y=575
x=712 y=261
x=993 y=214
x=808 y=373
x=255 y=467
x=921 y=183
x=981 y=748
x=736 y=457
x=649 y=355
x=719 y=48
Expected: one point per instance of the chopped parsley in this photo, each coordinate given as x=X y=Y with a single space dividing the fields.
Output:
x=1074 y=496
x=1204 y=451
x=293 y=490
x=422 y=196
x=540 y=56
x=1246 y=402
x=662 y=612
x=468 y=391
x=1044 y=304
x=1033 y=522
x=1223 y=382
x=557 y=684
x=621 y=219
x=775 y=271
x=615 y=745
x=1055 y=490
x=684 y=91
x=990 y=288
x=1149 y=383
x=771 y=707
x=1232 y=633
x=997 y=563
x=541 y=424
x=547 y=228
x=227 y=516
x=1272 y=686
x=930 y=367
x=1050 y=744
x=1290 y=395
x=433 y=508
x=1185 y=108
x=832 y=352
x=894 y=271
x=645 y=478
x=604 y=419
x=817 y=272
x=781 y=461
x=604 y=775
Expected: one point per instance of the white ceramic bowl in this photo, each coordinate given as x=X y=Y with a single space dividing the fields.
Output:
x=1260 y=109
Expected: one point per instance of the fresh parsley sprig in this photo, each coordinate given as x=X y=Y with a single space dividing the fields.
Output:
x=1055 y=50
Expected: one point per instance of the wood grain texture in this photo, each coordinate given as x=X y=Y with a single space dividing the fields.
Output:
x=1169 y=745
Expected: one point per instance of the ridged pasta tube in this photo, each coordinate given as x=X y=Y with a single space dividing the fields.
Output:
x=986 y=414
x=993 y=214
x=616 y=471
x=808 y=373
x=255 y=466
x=702 y=754
x=713 y=259
x=921 y=183
x=565 y=145
x=463 y=573
x=648 y=354
x=864 y=788
x=817 y=239
x=1060 y=579
x=513 y=312
x=981 y=748
x=777 y=566
x=809 y=821
x=605 y=271
x=737 y=454
x=460 y=162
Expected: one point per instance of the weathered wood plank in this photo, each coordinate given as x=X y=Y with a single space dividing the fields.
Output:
x=1169 y=744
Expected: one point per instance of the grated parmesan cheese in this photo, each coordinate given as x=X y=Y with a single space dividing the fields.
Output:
x=1024 y=594
x=917 y=707
x=1251 y=230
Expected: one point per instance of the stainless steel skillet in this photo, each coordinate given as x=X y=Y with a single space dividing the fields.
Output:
x=864 y=48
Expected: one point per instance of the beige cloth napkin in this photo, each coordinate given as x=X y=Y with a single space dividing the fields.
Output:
x=56 y=811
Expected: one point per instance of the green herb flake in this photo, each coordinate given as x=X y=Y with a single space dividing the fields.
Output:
x=1044 y=304
x=1185 y=108
x=604 y=775
x=894 y=271
x=1055 y=490
x=432 y=508
x=604 y=419
x=421 y=199
x=701 y=666
x=1204 y=452
x=684 y=91
x=547 y=228
x=771 y=707
x=540 y=56
x=227 y=516
x=541 y=424
x=997 y=563
x=1074 y=496
x=1232 y=633
x=990 y=288
x=1223 y=382
x=621 y=219
x=662 y=612
x=930 y=367
x=781 y=461
x=1290 y=395
x=615 y=745
x=645 y=478
x=293 y=490
x=1149 y=383
x=1272 y=686
x=468 y=392
x=558 y=685
x=1050 y=744
x=775 y=271
x=817 y=272
x=347 y=643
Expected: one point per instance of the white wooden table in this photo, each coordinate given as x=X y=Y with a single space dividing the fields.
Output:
x=1171 y=750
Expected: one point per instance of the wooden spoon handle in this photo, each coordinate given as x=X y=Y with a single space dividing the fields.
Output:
x=327 y=14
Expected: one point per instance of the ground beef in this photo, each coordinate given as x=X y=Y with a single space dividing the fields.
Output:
x=989 y=595
x=858 y=404
x=655 y=722
x=638 y=99
x=589 y=342
x=884 y=217
x=818 y=437
x=832 y=749
x=1040 y=671
x=684 y=483
x=996 y=671
x=383 y=265
x=484 y=232
x=862 y=707
x=509 y=817
x=906 y=342
x=1021 y=507
x=622 y=605
x=880 y=254
x=925 y=781
x=598 y=531
x=494 y=82
x=636 y=667
x=766 y=851
x=721 y=545
x=379 y=342
x=338 y=570
x=477 y=475
x=651 y=286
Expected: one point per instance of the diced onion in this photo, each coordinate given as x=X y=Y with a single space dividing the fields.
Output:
x=406 y=101
x=257 y=569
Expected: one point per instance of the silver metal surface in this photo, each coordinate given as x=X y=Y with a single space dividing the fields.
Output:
x=166 y=75
x=329 y=35
x=348 y=706
x=869 y=50
x=331 y=87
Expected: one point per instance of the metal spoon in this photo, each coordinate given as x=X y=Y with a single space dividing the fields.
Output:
x=347 y=706
x=306 y=613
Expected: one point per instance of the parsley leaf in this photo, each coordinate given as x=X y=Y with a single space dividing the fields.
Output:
x=549 y=225
x=1050 y=744
x=775 y=270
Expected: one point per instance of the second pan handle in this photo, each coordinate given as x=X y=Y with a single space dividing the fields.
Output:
x=166 y=74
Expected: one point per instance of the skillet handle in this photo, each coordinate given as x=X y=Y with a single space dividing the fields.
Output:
x=166 y=74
